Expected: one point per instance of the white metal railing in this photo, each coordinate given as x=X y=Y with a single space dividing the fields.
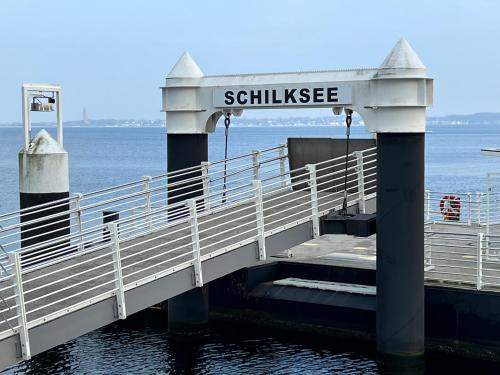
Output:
x=473 y=209
x=463 y=259
x=171 y=222
x=466 y=251
x=92 y=261
x=76 y=220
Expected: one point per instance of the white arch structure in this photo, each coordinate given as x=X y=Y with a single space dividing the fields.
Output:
x=391 y=98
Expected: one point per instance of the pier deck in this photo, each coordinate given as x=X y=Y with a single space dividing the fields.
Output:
x=449 y=260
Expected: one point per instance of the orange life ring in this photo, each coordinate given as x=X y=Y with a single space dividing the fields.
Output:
x=450 y=211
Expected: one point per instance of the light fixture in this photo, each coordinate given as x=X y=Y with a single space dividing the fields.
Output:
x=42 y=103
x=337 y=110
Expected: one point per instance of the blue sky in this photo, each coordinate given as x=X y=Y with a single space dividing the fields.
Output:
x=111 y=56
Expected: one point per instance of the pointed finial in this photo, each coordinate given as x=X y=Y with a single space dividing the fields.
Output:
x=185 y=67
x=43 y=143
x=402 y=56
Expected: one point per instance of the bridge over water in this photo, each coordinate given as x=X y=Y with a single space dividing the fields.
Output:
x=58 y=289
x=128 y=248
x=65 y=272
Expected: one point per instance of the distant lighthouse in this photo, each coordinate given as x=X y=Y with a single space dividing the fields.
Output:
x=85 y=117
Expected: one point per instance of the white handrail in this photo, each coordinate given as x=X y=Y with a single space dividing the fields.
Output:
x=148 y=240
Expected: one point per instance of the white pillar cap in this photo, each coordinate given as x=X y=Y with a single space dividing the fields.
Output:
x=185 y=67
x=402 y=60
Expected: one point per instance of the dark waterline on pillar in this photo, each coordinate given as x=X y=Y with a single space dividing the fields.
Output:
x=400 y=244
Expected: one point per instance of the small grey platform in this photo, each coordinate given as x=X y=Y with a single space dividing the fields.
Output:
x=353 y=296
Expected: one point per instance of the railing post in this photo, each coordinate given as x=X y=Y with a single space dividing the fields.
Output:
x=427 y=205
x=361 y=181
x=478 y=197
x=282 y=165
x=429 y=252
x=314 y=198
x=427 y=245
x=259 y=207
x=479 y=276
x=205 y=181
x=256 y=165
x=21 y=310
x=78 y=208
x=147 y=199
x=469 y=211
x=117 y=265
x=488 y=196
x=195 y=239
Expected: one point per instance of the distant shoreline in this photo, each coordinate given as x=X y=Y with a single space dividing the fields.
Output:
x=221 y=126
x=484 y=118
x=50 y=126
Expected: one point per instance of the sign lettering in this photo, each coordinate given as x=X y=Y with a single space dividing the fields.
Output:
x=290 y=95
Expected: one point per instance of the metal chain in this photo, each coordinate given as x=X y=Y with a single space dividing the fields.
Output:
x=348 y=122
x=227 y=122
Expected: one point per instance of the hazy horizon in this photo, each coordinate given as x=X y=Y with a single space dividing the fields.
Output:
x=250 y=119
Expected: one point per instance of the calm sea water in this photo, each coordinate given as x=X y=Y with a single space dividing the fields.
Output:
x=141 y=345
x=102 y=157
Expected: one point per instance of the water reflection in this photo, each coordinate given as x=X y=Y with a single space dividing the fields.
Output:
x=55 y=361
x=141 y=345
x=186 y=354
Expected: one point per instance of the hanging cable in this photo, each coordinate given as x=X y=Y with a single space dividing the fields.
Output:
x=348 y=121
x=227 y=122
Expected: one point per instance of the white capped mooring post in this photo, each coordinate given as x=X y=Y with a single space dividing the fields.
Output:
x=392 y=100
x=43 y=168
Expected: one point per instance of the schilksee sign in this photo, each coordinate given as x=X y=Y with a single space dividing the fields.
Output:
x=290 y=95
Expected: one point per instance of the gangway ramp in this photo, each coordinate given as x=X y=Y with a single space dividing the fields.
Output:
x=103 y=272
